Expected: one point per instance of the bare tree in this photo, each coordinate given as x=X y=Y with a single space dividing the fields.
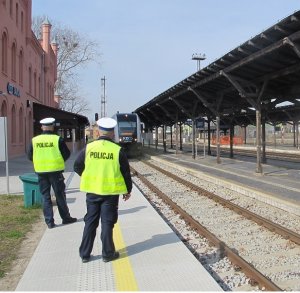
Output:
x=75 y=52
x=72 y=101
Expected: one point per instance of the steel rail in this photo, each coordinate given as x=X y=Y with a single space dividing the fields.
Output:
x=269 y=154
x=273 y=227
x=248 y=269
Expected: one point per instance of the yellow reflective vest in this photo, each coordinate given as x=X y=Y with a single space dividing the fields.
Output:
x=46 y=154
x=102 y=174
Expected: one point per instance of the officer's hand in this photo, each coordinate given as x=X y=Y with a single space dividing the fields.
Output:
x=126 y=196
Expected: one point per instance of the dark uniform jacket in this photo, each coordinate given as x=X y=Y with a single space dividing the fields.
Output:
x=65 y=152
x=79 y=165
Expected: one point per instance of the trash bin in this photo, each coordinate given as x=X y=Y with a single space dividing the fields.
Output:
x=31 y=189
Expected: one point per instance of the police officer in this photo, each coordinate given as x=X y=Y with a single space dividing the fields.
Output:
x=105 y=174
x=49 y=152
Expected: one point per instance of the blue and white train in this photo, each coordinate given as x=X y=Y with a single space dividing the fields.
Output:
x=128 y=133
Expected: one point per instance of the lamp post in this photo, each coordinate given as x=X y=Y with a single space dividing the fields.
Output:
x=199 y=57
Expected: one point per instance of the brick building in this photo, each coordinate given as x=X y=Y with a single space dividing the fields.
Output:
x=28 y=72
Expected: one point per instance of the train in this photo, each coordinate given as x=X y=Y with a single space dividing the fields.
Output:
x=129 y=133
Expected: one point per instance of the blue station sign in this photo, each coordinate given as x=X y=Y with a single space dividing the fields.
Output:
x=12 y=90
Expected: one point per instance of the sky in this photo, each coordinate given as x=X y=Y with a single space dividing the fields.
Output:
x=146 y=46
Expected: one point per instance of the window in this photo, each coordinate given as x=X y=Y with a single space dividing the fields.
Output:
x=22 y=21
x=40 y=93
x=3 y=111
x=34 y=85
x=11 y=7
x=21 y=126
x=47 y=94
x=30 y=80
x=13 y=124
x=14 y=62
x=21 y=65
x=17 y=14
x=4 y=52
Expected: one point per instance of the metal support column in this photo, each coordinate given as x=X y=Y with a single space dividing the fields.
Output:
x=194 y=138
x=231 y=135
x=297 y=134
x=180 y=136
x=171 y=133
x=258 y=142
x=208 y=137
x=218 y=140
x=176 y=137
x=263 y=138
x=164 y=138
x=294 y=134
x=156 y=137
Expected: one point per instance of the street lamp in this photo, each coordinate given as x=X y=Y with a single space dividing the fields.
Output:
x=199 y=57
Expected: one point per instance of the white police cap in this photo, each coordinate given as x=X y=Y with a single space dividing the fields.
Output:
x=47 y=121
x=106 y=123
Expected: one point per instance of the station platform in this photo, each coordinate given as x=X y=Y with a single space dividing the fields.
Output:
x=278 y=184
x=152 y=257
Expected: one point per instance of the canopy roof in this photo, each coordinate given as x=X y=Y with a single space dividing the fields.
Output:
x=257 y=75
x=64 y=118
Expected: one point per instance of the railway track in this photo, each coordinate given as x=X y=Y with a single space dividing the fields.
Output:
x=274 y=155
x=266 y=252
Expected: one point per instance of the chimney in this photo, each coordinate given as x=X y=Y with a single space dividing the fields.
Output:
x=46 y=29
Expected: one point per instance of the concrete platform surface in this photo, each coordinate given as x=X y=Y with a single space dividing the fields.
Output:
x=152 y=256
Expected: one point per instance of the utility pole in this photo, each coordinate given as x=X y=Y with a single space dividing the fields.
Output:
x=103 y=98
x=199 y=57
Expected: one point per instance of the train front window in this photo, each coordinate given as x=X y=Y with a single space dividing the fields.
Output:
x=127 y=128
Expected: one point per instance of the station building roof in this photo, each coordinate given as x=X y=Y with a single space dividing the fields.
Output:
x=63 y=118
x=259 y=74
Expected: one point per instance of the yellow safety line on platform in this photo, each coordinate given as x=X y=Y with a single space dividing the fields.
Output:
x=124 y=275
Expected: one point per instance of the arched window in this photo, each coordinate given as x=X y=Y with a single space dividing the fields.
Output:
x=11 y=7
x=30 y=80
x=22 y=21
x=4 y=52
x=17 y=14
x=29 y=121
x=13 y=124
x=14 y=61
x=39 y=83
x=48 y=94
x=34 y=84
x=21 y=66
x=3 y=112
x=21 y=126
x=51 y=94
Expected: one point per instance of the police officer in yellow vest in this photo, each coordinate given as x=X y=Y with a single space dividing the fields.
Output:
x=105 y=174
x=49 y=152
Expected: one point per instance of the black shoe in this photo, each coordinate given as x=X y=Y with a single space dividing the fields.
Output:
x=85 y=259
x=113 y=257
x=69 y=220
x=51 y=225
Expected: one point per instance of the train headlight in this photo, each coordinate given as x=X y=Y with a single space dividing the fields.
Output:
x=120 y=139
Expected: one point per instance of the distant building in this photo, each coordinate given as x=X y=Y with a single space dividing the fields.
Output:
x=28 y=72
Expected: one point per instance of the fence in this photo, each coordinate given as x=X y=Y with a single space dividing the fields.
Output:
x=225 y=140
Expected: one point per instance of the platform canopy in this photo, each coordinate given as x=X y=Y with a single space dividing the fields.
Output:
x=63 y=118
x=261 y=74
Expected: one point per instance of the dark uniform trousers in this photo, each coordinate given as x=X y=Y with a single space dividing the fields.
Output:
x=106 y=208
x=56 y=180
